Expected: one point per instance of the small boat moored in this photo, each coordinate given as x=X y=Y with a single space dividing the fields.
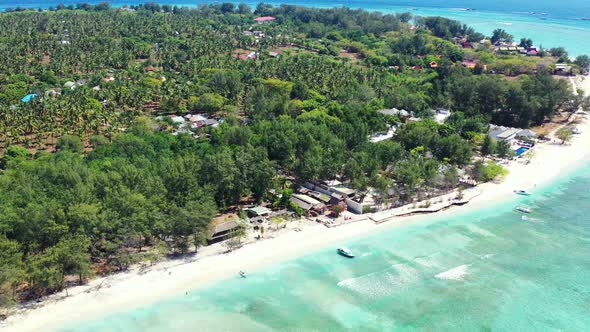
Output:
x=345 y=252
x=523 y=209
x=522 y=192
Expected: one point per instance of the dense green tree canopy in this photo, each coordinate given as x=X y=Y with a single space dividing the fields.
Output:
x=90 y=179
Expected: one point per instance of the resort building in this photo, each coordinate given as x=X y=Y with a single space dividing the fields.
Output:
x=501 y=133
x=507 y=134
x=527 y=133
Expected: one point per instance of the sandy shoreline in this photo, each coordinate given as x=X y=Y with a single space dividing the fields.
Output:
x=127 y=290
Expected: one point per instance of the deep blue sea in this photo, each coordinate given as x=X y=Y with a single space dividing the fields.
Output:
x=549 y=23
x=490 y=270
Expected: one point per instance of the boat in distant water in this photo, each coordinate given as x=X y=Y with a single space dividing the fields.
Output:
x=522 y=192
x=345 y=252
x=523 y=209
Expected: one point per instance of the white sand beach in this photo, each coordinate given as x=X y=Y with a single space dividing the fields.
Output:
x=123 y=291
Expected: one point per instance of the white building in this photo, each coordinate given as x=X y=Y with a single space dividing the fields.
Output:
x=441 y=115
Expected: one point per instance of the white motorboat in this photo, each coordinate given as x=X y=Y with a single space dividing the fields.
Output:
x=345 y=252
x=522 y=192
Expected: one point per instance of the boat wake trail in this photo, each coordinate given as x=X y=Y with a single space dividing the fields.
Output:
x=525 y=218
x=486 y=256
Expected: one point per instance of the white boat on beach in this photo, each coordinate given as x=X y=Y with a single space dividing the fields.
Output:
x=345 y=252
x=522 y=192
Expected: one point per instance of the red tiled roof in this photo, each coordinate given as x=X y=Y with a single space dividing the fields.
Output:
x=469 y=64
x=264 y=19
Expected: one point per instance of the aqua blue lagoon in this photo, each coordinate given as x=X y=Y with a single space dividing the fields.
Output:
x=490 y=270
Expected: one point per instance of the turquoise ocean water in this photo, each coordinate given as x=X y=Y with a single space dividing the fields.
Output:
x=490 y=270
x=549 y=23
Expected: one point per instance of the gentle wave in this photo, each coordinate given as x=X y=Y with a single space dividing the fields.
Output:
x=480 y=231
x=529 y=13
x=382 y=283
x=428 y=261
x=456 y=273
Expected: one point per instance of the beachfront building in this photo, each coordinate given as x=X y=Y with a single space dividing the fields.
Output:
x=502 y=133
x=527 y=133
x=258 y=211
x=505 y=134
x=309 y=204
x=334 y=193
x=222 y=228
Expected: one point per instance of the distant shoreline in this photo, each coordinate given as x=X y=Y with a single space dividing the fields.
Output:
x=128 y=290
x=545 y=30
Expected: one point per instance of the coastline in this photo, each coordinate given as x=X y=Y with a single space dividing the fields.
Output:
x=124 y=291
x=544 y=27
